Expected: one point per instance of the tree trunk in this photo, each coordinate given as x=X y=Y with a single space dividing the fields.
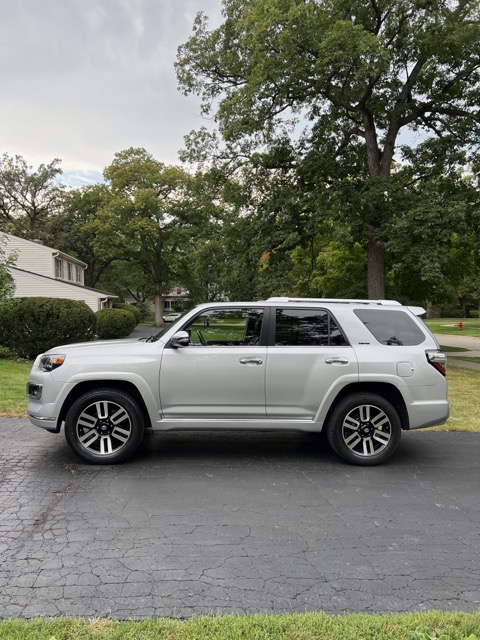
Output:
x=158 y=306
x=375 y=267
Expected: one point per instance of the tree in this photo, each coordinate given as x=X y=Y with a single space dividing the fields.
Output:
x=7 y=285
x=358 y=72
x=73 y=229
x=27 y=196
x=150 y=218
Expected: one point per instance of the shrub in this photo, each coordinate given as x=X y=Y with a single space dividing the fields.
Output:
x=144 y=308
x=6 y=353
x=452 y=312
x=29 y=326
x=114 y=323
x=473 y=313
x=129 y=307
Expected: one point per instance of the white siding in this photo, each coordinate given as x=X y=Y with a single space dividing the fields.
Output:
x=29 y=285
x=31 y=256
x=37 y=258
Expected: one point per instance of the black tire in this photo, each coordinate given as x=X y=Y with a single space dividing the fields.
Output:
x=364 y=429
x=104 y=426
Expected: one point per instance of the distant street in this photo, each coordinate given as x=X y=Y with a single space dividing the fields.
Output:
x=209 y=523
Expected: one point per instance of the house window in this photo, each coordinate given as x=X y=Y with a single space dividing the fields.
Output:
x=58 y=268
x=78 y=274
x=70 y=270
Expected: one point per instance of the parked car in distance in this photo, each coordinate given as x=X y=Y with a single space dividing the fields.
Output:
x=171 y=317
x=360 y=370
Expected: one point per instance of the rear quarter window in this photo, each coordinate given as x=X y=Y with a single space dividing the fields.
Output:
x=394 y=328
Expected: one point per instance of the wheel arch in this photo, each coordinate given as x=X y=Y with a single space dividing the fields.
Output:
x=384 y=389
x=90 y=385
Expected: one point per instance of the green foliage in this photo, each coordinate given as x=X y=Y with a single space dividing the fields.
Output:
x=150 y=219
x=28 y=196
x=114 y=323
x=144 y=310
x=6 y=353
x=29 y=326
x=73 y=230
x=7 y=286
x=355 y=75
x=129 y=307
x=425 y=633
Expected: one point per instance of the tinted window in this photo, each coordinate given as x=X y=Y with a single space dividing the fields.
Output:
x=226 y=327
x=307 y=327
x=391 y=327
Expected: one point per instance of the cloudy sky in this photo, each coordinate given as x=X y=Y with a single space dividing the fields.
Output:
x=83 y=79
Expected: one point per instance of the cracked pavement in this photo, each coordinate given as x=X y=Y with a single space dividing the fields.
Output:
x=207 y=523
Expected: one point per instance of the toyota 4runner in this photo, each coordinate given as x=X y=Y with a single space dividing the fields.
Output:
x=360 y=370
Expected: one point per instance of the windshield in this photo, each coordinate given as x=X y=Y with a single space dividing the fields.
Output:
x=167 y=327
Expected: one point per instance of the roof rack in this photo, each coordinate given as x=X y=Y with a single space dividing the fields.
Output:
x=335 y=300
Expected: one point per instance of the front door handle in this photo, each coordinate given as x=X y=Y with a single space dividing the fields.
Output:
x=336 y=360
x=251 y=361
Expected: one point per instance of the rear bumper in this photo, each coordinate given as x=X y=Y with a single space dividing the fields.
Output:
x=428 y=414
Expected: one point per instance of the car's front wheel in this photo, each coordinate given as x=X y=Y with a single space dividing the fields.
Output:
x=104 y=426
x=364 y=429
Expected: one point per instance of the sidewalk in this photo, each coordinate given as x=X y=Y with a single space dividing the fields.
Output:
x=462 y=342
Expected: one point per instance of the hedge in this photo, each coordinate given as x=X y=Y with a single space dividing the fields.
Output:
x=114 y=323
x=129 y=307
x=29 y=326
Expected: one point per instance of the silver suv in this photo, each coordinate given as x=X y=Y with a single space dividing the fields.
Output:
x=359 y=370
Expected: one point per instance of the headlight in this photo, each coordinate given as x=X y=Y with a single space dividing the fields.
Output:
x=51 y=362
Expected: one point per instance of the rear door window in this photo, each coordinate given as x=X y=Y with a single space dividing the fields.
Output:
x=307 y=327
x=393 y=328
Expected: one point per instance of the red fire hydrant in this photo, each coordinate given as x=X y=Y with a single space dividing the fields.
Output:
x=460 y=326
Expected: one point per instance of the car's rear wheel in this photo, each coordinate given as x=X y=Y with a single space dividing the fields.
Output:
x=104 y=426
x=364 y=429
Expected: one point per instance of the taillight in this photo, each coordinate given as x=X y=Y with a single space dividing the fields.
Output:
x=438 y=360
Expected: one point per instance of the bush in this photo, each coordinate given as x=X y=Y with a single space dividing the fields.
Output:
x=452 y=312
x=145 y=310
x=29 y=326
x=6 y=353
x=473 y=313
x=129 y=307
x=114 y=323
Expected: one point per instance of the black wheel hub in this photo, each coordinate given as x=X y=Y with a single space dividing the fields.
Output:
x=366 y=430
x=104 y=427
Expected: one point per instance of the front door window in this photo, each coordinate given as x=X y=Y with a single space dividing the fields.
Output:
x=226 y=328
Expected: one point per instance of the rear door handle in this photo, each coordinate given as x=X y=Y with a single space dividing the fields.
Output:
x=251 y=361
x=336 y=360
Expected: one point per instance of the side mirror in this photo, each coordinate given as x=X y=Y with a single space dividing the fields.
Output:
x=180 y=339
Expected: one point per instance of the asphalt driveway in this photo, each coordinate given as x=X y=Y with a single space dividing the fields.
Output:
x=210 y=523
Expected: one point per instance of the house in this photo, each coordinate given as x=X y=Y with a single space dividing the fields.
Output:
x=173 y=301
x=50 y=273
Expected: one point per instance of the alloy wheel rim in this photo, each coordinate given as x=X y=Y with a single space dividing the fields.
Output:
x=366 y=430
x=103 y=428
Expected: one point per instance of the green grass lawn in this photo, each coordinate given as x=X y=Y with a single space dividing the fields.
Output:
x=306 y=626
x=463 y=386
x=13 y=380
x=449 y=326
x=467 y=359
x=463 y=394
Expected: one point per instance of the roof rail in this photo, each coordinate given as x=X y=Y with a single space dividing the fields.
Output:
x=334 y=300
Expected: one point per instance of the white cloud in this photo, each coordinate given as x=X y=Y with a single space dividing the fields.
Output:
x=83 y=79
